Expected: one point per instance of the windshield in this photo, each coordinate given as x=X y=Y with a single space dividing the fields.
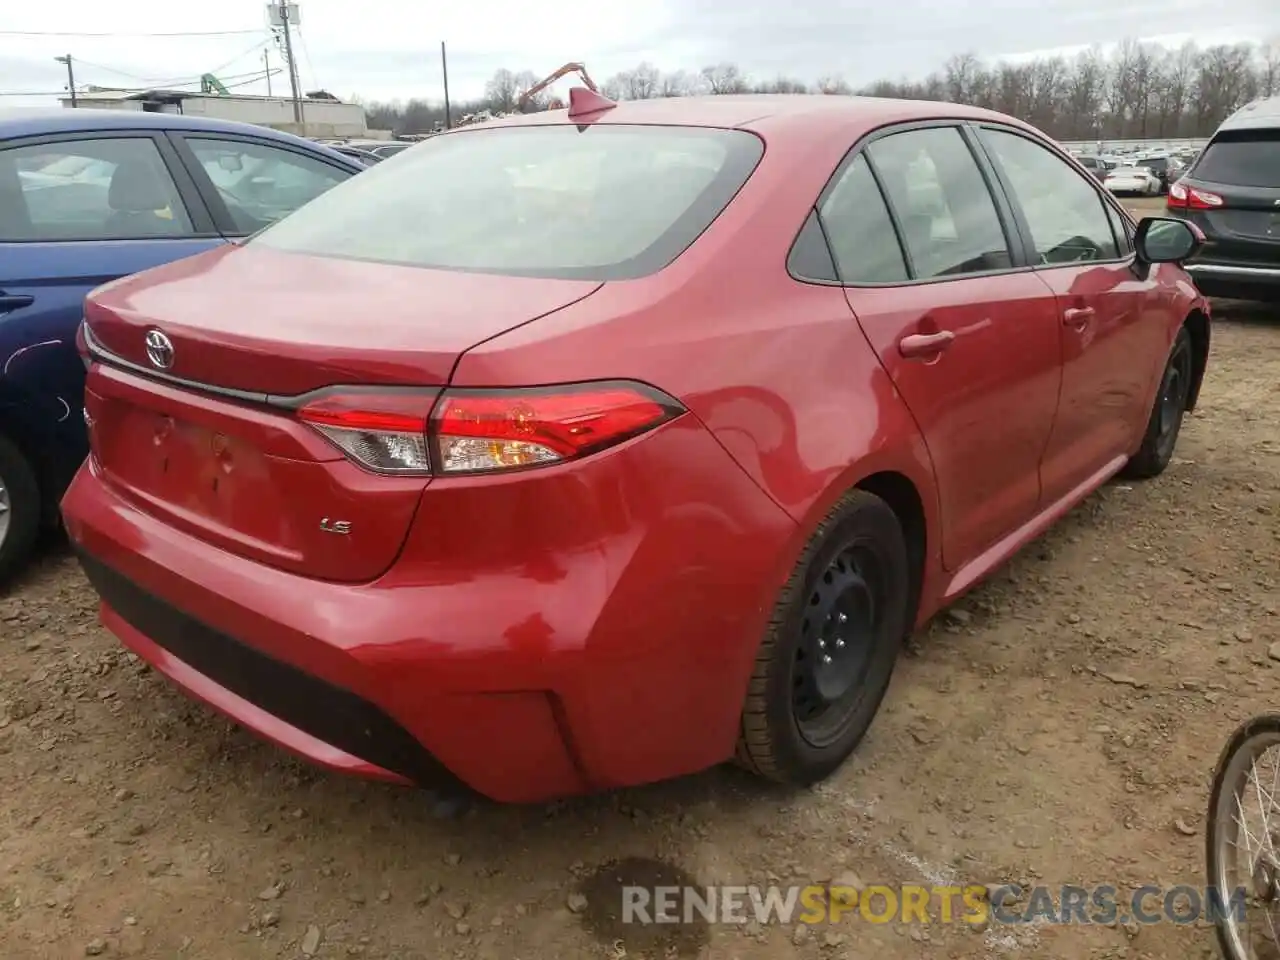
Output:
x=1242 y=159
x=605 y=202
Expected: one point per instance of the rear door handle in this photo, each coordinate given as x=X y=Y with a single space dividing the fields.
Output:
x=9 y=303
x=925 y=344
x=1077 y=317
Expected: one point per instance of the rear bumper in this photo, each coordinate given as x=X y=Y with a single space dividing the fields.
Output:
x=1234 y=271
x=1235 y=280
x=622 y=661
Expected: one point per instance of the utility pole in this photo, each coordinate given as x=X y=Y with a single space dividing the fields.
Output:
x=71 y=76
x=266 y=66
x=280 y=11
x=444 y=67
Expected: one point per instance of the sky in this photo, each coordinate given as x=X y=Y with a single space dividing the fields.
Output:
x=390 y=49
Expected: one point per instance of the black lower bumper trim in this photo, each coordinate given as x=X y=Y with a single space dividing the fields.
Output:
x=336 y=716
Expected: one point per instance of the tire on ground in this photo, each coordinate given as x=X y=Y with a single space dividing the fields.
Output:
x=22 y=500
x=1158 y=443
x=860 y=533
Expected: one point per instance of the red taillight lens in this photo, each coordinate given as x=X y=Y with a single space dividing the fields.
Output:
x=485 y=430
x=1182 y=197
x=471 y=431
x=1203 y=199
x=382 y=431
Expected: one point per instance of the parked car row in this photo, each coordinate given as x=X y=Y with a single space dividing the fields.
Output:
x=367 y=152
x=699 y=431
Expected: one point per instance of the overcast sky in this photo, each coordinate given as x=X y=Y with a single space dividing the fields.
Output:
x=389 y=49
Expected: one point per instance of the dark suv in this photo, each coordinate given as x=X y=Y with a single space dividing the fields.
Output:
x=1232 y=193
x=1095 y=165
x=1165 y=169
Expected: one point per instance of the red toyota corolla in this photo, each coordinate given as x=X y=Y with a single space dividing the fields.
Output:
x=583 y=450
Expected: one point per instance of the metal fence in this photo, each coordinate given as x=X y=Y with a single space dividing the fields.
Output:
x=1129 y=146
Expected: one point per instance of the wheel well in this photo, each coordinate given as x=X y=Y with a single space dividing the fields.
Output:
x=903 y=498
x=1197 y=325
x=39 y=465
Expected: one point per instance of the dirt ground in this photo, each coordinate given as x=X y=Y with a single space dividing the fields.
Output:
x=1059 y=726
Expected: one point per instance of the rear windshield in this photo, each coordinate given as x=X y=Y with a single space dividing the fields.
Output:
x=603 y=203
x=1242 y=158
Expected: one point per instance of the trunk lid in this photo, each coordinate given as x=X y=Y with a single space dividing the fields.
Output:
x=1248 y=213
x=226 y=466
x=269 y=322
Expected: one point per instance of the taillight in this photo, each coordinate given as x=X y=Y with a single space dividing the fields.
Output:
x=1189 y=198
x=383 y=431
x=486 y=430
x=482 y=430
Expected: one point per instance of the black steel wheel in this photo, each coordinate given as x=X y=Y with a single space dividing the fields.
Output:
x=831 y=646
x=1165 y=424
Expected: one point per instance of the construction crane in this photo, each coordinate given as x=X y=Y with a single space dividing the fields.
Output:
x=556 y=103
x=211 y=84
x=525 y=98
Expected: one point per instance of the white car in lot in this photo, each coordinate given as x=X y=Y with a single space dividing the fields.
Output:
x=1132 y=179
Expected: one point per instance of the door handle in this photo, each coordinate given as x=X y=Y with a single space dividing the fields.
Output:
x=9 y=303
x=1077 y=317
x=925 y=344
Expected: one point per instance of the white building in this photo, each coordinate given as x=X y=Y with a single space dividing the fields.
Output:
x=320 y=118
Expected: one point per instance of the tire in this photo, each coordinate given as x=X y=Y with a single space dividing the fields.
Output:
x=1223 y=832
x=1165 y=423
x=19 y=509
x=853 y=577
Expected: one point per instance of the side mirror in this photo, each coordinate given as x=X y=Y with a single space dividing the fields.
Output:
x=1166 y=240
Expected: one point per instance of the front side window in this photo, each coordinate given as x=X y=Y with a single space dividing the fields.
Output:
x=1066 y=215
x=608 y=202
x=259 y=184
x=1120 y=228
x=949 y=221
x=106 y=189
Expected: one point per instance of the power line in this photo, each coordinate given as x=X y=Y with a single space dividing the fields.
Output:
x=306 y=55
x=159 y=82
x=179 y=33
x=254 y=77
x=239 y=56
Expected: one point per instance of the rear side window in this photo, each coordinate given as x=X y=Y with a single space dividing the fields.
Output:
x=941 y=201
x=1242 y=158
x=863 y=240
x=114 y=188
x=602 y=203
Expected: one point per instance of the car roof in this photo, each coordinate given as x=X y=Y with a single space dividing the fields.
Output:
x=1259 y=115
x=31 y=122
x=816 y=115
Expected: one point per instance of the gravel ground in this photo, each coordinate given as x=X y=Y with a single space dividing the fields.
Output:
x=1058 y=726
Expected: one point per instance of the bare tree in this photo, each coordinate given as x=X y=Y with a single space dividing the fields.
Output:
x=680 y=84
x=784 y=85
x=833 y=85
x=642 y=83
x=724 y=78
x=502 y=90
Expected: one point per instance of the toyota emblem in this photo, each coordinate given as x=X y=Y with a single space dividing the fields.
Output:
x=159 y=350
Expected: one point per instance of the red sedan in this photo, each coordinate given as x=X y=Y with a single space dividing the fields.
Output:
x=577 y=451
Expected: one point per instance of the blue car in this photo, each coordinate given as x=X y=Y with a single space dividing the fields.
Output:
x=87 y=196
